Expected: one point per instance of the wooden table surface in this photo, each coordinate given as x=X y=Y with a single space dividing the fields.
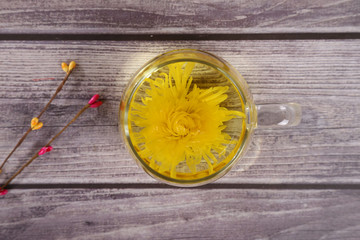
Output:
x=295 y=183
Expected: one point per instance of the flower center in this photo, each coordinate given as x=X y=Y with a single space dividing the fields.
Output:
x=181 y=124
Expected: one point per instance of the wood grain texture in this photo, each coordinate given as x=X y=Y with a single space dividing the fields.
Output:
x=180 y=214
x=323 y=76
x=178 y=17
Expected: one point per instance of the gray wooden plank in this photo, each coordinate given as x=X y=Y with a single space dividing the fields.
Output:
x=323 y=76
x=178 y=17
x=180 y=214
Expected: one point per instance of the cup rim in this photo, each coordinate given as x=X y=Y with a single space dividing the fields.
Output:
x=140 y=162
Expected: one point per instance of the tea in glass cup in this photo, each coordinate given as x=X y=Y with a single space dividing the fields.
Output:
x=188 y=116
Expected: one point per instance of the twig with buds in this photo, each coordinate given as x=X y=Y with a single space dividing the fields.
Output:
x=35 y=124
x=93 y=103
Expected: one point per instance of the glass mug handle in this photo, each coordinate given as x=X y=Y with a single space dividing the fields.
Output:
x=278 y=115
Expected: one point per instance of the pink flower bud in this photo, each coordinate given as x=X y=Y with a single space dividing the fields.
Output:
x=49 y=148
x=3 y=192
x=45 y=150
x=94 y=99
x=42 y=151
x=97 y=104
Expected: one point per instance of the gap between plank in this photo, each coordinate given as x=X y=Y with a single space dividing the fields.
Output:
x=179 y=37
x=310 y=186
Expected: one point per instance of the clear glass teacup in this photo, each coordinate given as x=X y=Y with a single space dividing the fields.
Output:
x=187 y=117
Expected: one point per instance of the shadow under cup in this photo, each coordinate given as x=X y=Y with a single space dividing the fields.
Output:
x=187 y=117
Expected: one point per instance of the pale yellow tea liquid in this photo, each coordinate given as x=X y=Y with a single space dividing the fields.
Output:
x=186 y=120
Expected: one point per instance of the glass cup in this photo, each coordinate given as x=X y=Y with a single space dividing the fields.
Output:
x=187 y=117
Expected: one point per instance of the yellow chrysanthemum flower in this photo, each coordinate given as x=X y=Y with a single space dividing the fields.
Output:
x=179 y=122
